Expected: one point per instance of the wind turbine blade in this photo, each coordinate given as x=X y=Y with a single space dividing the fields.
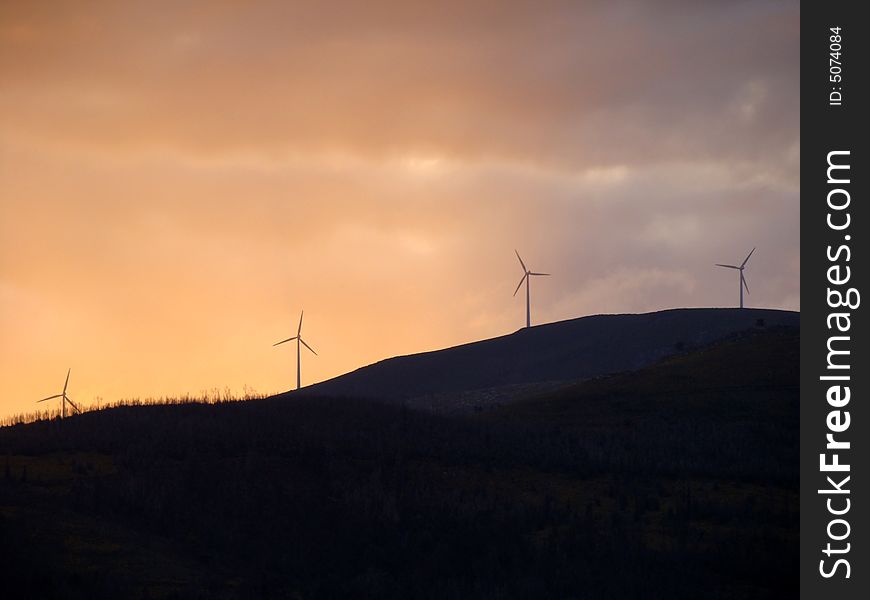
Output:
x=521 y=261
x=522 y=279
x=307 y=346
x=285 y=341
x=78 y=410
x=299 y=331
x=727 y=266
x=747 y=258
x=743 y=280
x=51 y=398
x=547 y=274
x=65 y=383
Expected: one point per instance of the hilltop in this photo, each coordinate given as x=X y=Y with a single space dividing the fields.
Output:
x=544 y=355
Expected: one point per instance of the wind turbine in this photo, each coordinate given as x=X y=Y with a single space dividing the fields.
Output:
x=65 y=398
x=299 y=340
x=527 y=275
x=742 y=283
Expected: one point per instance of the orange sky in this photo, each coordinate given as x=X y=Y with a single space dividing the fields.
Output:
x=178 y=180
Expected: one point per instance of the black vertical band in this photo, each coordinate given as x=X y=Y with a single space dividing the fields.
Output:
x=835 y=368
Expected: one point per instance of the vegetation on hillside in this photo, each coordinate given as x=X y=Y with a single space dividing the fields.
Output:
x=676 y=481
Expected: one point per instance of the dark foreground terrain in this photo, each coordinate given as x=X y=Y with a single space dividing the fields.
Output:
x=677 y=480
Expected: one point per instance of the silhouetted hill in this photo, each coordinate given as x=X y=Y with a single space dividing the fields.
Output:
x=736 y=379
x=556 y=352
x=675 y=481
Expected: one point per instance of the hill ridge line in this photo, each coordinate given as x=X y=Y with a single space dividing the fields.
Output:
x=571 y=349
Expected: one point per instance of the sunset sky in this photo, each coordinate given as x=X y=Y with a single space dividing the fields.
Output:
x=179 y=179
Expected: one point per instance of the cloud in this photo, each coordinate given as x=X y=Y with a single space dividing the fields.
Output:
x=181 y=178
x=563 y=83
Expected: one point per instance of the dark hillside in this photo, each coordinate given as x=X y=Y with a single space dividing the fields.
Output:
x=724 y=380
x=555 y=352
x=676 y=481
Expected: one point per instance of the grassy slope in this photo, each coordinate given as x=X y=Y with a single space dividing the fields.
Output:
x=725 y=380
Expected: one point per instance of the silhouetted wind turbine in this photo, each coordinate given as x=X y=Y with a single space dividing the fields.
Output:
x=299 y=340
x=527 y=275
x=65 y=398
x=742 y=283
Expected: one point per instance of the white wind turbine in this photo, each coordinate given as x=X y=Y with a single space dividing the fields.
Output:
x=65 y=398
x=527 y=275
x=742 y=283
x=299 y=340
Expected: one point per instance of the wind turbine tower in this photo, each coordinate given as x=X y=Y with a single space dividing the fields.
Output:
x=742 y=284
x=299 y=343
x=527 y=275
